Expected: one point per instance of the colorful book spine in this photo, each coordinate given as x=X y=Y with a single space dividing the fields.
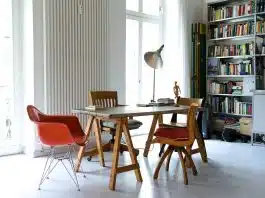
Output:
x=231 y=50
x=231 y=105
x=223 y=12
x=231 y=30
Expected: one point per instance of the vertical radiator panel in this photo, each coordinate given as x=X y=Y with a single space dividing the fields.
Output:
x=76 y=52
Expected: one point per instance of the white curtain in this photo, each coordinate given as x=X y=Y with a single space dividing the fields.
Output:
x=176 y=52
x=178 y=17
x=176 y=39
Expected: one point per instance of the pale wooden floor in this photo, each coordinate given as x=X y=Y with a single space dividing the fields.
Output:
x=234 y=170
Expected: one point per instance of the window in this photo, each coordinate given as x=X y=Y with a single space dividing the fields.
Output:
x=143 y=33
x=9 y=136
x=132 y=5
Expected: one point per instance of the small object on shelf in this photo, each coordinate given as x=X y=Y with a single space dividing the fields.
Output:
x=230 y=135
x=230 y=87
x=237 y=90
x=245 y=126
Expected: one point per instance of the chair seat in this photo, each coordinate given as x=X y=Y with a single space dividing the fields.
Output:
x=174 y=124
x=176 y=133
x=132 y=124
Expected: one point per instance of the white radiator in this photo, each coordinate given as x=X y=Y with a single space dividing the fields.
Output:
x=76 y=52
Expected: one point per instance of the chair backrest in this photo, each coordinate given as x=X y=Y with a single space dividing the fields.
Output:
x=191 y=121
x=34 y=114
x=187 y=102
x=54 y=130
x=103 y=98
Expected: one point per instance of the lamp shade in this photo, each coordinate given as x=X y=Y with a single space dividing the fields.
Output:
x=153 y=59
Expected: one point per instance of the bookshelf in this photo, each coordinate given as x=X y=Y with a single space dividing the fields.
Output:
x=235 y=56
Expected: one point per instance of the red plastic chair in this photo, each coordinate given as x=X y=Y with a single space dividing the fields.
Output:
x=57 y=130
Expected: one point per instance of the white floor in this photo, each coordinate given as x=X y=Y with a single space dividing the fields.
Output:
x=234 y=170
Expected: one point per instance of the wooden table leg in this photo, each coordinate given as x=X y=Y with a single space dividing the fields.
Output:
x=99 y=142
x=122 y=126
x=201 y=145
x=150 y=135
x=201 y=148
x=160 y=119
x=131 y=150
x=82 y=148
x=115 y=156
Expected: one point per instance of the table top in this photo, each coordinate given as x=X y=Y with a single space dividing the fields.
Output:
x=127 y=111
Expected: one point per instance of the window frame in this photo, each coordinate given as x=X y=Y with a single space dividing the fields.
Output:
x=141 y=17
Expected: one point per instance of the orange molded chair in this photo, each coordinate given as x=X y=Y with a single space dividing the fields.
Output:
x=57 y=130
x=177 y=138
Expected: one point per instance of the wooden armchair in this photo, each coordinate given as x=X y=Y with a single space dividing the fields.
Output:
x=177 y=138
x=199 y=116
x=110 y=99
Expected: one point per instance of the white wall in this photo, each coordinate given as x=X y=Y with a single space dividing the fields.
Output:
x=35 y=64
x=117 y=48
x=195 y=13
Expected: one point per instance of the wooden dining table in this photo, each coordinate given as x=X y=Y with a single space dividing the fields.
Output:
x=121 y=115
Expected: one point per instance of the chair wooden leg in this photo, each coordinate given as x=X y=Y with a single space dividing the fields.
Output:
x=184 y=169
x=187 y=161
x=193 y=167
x=168 y=151
x=168 y=160
x=162 y=148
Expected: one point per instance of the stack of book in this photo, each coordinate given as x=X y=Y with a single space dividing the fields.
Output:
x=93 y=107
x=230 y=30
x=225 y=87
x=231 y=50
x=166 y=100
x=260 y=27
x=231 y=105
x=242 y=68
x=219 y=13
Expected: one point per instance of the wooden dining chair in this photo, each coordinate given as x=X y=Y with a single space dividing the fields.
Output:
x=177 y=138
x=110 y=99
x=199 y=116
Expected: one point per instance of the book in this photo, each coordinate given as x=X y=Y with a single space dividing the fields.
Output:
x=228 y=11
x=93 y=107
